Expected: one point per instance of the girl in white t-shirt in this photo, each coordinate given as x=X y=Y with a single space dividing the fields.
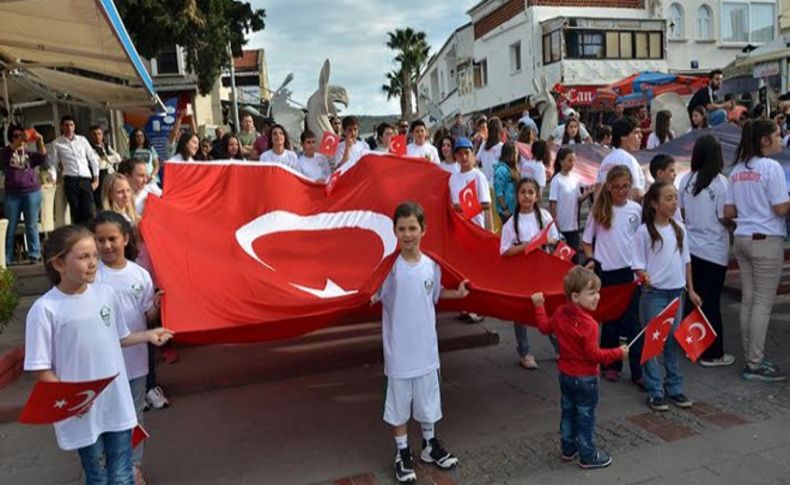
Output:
x=704 y=192
x=517 y=233
x=117 y=197
x=187 y=147
x=760 y=198
x=280 y=151
x=566 y=193
x=608 y=245
x=74 y=333
x=662 y=260
x=139 y=303
x=536 y=168
x=446 y=155
x=491 y=151
x=662 y=133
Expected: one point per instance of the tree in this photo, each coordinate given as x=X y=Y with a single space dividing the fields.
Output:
x=393 y=89
x=412 y=54
x=203 y=28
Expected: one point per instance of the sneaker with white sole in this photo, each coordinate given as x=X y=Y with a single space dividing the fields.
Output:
x=156 y=398
x=404 y=467
x=434 y=452
x=724 y=361
x=765 y=373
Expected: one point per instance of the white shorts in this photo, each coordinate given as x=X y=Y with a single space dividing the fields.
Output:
x=417 y=397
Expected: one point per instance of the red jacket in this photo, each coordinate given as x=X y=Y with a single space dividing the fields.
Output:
x=577 y=335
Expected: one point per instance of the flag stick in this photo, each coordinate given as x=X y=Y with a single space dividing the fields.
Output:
x=636 y=338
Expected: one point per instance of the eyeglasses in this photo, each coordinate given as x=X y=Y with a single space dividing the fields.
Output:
x=620 y=188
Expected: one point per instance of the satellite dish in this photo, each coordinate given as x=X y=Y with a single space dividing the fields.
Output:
x=250 y=110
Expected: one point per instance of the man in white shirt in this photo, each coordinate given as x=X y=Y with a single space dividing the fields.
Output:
x=75 y=158
x=351 y=149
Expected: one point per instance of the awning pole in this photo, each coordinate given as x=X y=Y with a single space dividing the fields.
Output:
x=7 y=107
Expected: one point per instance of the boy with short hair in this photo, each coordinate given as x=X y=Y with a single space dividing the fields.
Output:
x=312 y=165
x=463 y=154
x=411 y=351
x=421 y=147
x=662 y=168
x=351 y=149
x=603 y=135
x=579 y=364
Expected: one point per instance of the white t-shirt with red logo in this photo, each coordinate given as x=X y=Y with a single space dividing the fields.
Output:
x=77 y=337
x=458 y=181
x=755 y=190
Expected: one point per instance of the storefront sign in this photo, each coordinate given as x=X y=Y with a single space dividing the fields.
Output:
x=767 y=69
x=581 y=95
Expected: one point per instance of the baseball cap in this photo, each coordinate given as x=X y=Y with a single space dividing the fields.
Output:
x=463 y=142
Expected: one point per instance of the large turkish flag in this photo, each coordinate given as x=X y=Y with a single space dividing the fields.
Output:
x=254 y=251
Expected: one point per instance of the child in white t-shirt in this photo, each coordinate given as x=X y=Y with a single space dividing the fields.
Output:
x=138 y=302
x=662 y=260
x=566 y=193
x=72 y=334
x=662 y=169
x=421 y=147
x=536 y=168
x=312 y=165
x=411 y=352
x=611 y=226
x=462 y=151
x=280 y=151
x=517 y=233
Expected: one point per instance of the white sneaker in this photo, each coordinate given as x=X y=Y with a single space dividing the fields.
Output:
x=156 y=398
x=724 y=361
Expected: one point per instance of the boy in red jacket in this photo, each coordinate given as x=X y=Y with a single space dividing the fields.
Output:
x=579 y=364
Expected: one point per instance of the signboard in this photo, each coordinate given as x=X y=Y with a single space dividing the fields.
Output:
x=157 y=126
x=581 y=95
x=767 y=69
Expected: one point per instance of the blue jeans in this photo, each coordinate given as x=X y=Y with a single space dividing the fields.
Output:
x=651 y=302
x=137 y=387
x=522 y=340
x=717 y=117
x=109 y=460
x=28 y=204
x=626 y=326
x=577 y=424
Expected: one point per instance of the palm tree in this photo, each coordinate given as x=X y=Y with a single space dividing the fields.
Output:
x=394 y=88
x=412 y=54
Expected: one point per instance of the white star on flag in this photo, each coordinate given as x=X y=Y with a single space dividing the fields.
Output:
x=689 y=340
x=60 y=403
x=656 y=335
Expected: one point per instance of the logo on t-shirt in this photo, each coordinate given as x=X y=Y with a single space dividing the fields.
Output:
x=137 y=289
x=428 y=287
x=105 y=315
x=633 y=222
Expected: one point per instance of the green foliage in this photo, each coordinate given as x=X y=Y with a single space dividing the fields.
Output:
x=9 y=298
x=202 y=28
x=412 y=53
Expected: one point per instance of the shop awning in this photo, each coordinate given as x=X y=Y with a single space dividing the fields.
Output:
x=75 y=50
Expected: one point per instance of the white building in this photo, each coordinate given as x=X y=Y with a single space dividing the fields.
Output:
x=490 y=65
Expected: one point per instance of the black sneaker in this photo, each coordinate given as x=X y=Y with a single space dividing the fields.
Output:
x=764 y=373
x=569 y=457
x=600 y=460
x=434 y=452
x=681 y=401
x=657 y=404
x=404 y=467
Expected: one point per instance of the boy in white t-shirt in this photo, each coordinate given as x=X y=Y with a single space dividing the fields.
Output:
x=662 y=169
x=312 y=165
x=350 y=150
x=411 y=350
x=421 y=147
x=462 y=151
x=626 y=139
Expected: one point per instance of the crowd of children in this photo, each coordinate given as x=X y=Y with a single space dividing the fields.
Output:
x=105 y=298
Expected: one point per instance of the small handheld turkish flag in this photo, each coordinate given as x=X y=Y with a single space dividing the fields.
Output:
x=564 y=252
x=657 y=331
x=51 y=402
x=139 y=434
x=398 y=145
x=540 y=240
x=470 y=204
x=329 y=144
x=695 y=334
x=330 y=184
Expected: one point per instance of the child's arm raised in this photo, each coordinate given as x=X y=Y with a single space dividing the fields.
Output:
x=542 y=318
x=461 y=292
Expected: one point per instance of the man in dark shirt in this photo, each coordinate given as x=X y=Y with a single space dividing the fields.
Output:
x=717 y=112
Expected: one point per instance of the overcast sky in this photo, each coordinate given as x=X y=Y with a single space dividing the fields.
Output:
x=352 y=34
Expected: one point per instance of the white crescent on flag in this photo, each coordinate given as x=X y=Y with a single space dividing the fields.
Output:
x=703 y=332
x=89 y=397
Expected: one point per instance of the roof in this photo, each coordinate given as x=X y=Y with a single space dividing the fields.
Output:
x=248 y=61
x=77 y=40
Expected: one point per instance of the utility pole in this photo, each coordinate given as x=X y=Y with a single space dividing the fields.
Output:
x=235 y=106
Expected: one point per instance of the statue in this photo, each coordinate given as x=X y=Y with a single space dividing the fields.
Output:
x=286 y=115
x=673 y=103
x=321 y=105
x=545 y=104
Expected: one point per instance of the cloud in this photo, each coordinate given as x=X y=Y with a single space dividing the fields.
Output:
x=352 y=34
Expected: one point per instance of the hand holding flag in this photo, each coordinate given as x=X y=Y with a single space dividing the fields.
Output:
x=139 y=434
x=540 y=240
x=329 y=143
x=695 y=334
x=470 y=204
x=657 y=331
x=398 y=145
x=52 y=402
x=564 y=252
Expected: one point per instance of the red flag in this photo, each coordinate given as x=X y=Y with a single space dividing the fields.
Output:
x=51 y=402
x=329 y=142
x=540 y=239
x=279 y=258
x=330 y=184
x=470 y=204
x=564 y=252
x=139 y=434
x=695 y=334
x=398 y=145
x=657 y=331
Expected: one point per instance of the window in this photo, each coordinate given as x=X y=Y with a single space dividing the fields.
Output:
x=434 y=86
x=676 y=22
x=515 y=58
x=747 y=22
x=704 y=23
x=618 y=44
x=585 y=44
x=551 y=47
x=481 y=73
x=626 y=45
x=168 y=62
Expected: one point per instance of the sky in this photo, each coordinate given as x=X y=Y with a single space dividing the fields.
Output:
x=352 y=34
